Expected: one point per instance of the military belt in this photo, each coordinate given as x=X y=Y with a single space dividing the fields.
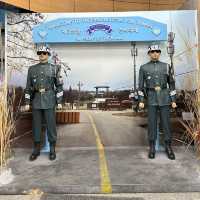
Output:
x=42 y=90
x=157 y=88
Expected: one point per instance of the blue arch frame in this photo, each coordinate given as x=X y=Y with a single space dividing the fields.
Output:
x=100 y=29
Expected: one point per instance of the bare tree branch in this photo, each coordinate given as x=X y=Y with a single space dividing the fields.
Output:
x=19 y=22
x=23 y=57
x=17 y=44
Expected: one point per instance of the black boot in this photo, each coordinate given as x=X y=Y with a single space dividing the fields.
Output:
x=152 y=150
x=36 y=151
x=169 y=151
x=52 y=153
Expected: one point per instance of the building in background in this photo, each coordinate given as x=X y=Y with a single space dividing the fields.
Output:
x=94 y=5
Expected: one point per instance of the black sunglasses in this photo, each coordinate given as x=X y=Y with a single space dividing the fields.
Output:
x=42 y=52
x=155 y=51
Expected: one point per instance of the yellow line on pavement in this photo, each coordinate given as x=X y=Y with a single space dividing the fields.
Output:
x=106 y=186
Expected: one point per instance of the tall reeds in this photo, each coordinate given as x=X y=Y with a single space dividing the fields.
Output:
x=192 y=126
x=7 y=126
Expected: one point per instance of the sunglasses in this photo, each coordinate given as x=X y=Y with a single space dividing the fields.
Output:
x=41 y=52
x=155 y=51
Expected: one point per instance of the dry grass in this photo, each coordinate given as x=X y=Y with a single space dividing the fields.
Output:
x=7 y=126
x=192 y=127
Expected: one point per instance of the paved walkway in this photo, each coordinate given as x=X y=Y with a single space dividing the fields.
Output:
x=104 y=154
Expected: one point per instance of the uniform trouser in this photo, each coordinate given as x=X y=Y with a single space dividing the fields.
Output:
x=165 y=121
x=50 y=119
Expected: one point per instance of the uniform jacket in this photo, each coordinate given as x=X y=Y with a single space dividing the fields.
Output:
x=44 y=88
x=156 y=83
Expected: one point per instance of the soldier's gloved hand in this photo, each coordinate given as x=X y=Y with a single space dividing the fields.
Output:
x=59 y=106
x=141 y=105
x=174 y=105
x=25 y=108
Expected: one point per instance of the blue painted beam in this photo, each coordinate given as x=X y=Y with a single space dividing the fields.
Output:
x=100 y=29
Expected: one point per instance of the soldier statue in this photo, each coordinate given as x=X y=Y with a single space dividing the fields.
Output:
x=157 y=84
x=44 y=91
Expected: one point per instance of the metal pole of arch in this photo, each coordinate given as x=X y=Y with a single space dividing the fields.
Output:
x=134 y=54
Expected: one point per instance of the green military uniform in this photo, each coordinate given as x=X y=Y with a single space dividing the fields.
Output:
x=44 y=89
x=156 y=82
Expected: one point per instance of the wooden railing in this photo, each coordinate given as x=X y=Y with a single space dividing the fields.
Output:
x=67 y=117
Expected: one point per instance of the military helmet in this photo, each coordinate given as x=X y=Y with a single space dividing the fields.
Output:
x=154 y=47
x=44 y=49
